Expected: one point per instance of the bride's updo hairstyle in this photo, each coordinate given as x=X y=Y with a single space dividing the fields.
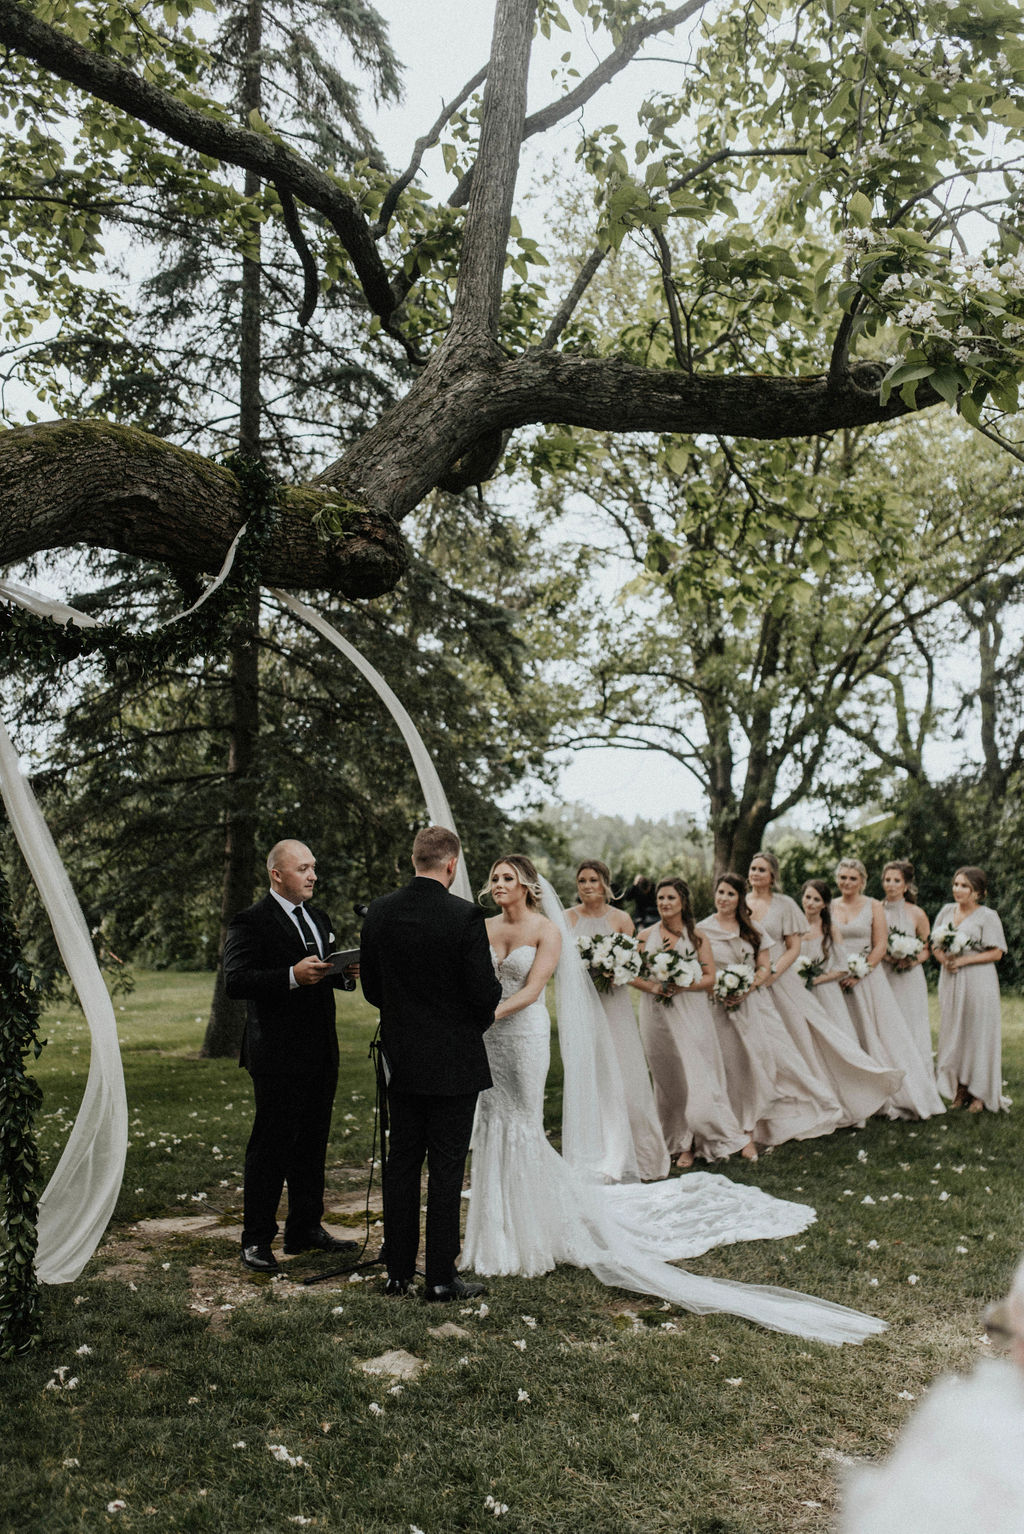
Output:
x=682 y=889
x=856 y=865
x=525 y=872
x=906 y=873
x=773 y=865
x=603 y=872
x=976 y=878
x=748 y=932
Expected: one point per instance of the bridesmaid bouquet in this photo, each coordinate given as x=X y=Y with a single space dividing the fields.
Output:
x=858 y=966
x=733 y=982
x=612 y=958
x=902 y=945
x=809 y=969
x=952 y=940
x=667 y=967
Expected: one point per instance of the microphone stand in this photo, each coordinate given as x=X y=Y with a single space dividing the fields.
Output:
x=380 y=1120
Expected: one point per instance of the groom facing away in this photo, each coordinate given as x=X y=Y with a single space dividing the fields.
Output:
x=425 y=964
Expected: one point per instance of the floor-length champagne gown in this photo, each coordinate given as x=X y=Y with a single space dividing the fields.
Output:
x=909 y=986
x=970 y=1030
x=881 y=1027
x=686 y=1063
x=775 y=1095
x=832 y=1053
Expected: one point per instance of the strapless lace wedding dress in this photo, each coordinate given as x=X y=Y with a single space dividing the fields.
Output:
x=529 y=1210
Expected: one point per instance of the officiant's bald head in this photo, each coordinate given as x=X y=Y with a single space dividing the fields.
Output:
x=292 y=870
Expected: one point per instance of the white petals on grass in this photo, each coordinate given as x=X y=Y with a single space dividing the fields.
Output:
x=529 y=1321
x=497 y=1508
x=375 y=1409
x=520 y=1343
x=634 y=1416
x=962 y=1250
x=241 y=1444
x=523 y=1398
x=735 y=1382
x=300 y=1518
x=337 y=1310
x=60 y=1379
x=117 y=1506
x=867 y=1199
x=69 y=1464
x=872 y=1246
x=912 y=1278
x=83 y=1351
x=283 y=1457
x=905 y=1395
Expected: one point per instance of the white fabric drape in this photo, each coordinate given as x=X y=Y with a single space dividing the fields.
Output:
x=430 y=783
x=79 y=1199
x=596 y=1137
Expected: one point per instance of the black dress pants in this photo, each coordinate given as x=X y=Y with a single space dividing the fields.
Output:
x=288 y=1144
x=437 y=1129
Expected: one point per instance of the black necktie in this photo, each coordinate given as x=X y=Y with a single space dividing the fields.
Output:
x=307 y=932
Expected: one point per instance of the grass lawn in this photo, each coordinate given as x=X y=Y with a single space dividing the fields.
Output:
x=572 y=1406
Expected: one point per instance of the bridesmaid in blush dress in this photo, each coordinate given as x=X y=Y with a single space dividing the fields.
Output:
x=593 y=916
x=970 y=1032
x=906 y=976
x=682 y=1045
x=773 y=1094
x=831 y=1055
x=862 y=931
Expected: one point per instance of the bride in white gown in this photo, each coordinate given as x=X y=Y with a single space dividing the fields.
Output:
x=530 y=1210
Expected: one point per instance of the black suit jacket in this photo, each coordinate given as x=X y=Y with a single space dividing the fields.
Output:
x=425 y=963
x=287 y=1031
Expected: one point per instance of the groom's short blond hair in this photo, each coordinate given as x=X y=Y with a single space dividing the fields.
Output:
x=434 y=847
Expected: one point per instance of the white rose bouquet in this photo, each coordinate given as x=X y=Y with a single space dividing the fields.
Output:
x=858 y=966
x=902 y=945
x=667 y=967
x=953 y=940
x=809 y=969
x=613 y=958
x=733 y=982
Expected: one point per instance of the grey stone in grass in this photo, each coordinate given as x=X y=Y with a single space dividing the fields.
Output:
x=396 y=1362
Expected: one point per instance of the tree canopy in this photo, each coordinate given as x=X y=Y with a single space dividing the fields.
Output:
x=826 y=210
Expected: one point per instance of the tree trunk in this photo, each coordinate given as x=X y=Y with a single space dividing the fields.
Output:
x=227 y=1017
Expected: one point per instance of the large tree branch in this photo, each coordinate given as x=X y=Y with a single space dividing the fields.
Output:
x=429 y=138
x=557 y=111
x=108 y=80
x=87 y=482
x=489 y=216
x=464 y=396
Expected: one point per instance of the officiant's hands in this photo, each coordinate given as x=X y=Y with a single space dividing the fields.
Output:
x=311 y=970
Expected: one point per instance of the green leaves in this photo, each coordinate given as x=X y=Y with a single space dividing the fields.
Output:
x=20 y=1097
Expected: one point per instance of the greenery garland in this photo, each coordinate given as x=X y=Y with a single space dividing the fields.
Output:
x=35 y=640
x=26 y=636
x=20 y=1096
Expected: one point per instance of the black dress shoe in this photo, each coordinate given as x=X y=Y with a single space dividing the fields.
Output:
x=317 y=1241
x=398 y=1286
x=260 y=1259
x=457 y=1289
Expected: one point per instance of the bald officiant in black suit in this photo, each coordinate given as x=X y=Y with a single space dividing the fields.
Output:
x=275 y=958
